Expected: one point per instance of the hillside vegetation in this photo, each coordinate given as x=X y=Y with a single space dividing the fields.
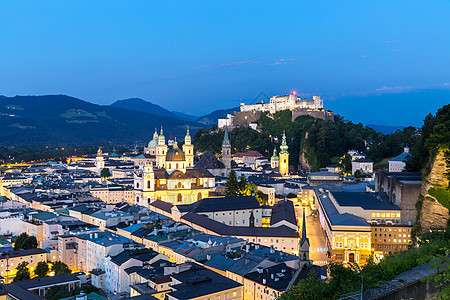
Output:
x=320 y=142
x=63 y=120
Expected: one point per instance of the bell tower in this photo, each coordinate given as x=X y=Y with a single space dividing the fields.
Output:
x=226 y=150
x=284 y=157
x=99 y=162
x=303 y=249
x=188 y=149
x=274 y=160
x=161 y=150
x=149 y=178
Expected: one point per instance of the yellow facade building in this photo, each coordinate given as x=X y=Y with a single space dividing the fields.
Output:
x=173 y=179
x=284 y=157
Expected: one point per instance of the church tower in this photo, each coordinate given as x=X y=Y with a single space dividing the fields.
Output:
x=274 y=160
x=188 y=149
x=149 y=178
x=99 y=162
x=284 y=157
x=303 y=249
x=226 y=150
x=161 y=150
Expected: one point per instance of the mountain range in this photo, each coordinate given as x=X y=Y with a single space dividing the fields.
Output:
x=61 y=119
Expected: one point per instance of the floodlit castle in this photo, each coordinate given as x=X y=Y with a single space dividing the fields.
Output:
x=172 y=177
x=249 y=114
x=291 y=102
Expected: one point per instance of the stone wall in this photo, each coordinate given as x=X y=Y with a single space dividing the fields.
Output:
x=319 y=114
x=407 y=285
x=243 y=118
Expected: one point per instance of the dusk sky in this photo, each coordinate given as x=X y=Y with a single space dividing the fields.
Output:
x=198 y=56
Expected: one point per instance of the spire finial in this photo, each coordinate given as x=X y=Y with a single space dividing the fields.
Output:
x=303 y=228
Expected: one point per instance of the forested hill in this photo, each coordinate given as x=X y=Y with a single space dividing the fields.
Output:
x=321 y=142
x=60 y=120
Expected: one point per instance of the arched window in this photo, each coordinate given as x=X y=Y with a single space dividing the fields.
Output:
x=148 y=184
x=170 y=166
x=137 y=185
x=199 y=196
x=177 y=166
x=179 y=198
x=158 y=197
x=197 y=181
x=157 y=183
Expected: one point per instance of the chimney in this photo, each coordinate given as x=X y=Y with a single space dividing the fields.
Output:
x=272 y=249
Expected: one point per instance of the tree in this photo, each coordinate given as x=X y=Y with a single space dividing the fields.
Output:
x=20 y=240
x=242 y=183
x=105 y=173
x=23 y=272
x=57 y=292
x=24 y=241
x=358 y=174
x=441 y=278
x=232 y=186
x=60 y=268
x=30 y=243
x=41 y=269
x=347 y=163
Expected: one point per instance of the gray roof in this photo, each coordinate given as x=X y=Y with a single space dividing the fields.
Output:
x=222 y=229
x=365 y=200
x=338 y=219
x=283 y=211
x=222 y=204
x=200 y=282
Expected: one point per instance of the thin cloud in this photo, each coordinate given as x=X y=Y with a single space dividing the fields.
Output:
x=282 y=61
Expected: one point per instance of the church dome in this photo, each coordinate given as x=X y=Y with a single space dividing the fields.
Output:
x=175 y=154
x=152 y=143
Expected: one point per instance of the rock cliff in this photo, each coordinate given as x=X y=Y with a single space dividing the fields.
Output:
x=435 y=212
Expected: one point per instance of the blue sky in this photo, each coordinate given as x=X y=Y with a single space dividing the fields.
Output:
x=197 y=56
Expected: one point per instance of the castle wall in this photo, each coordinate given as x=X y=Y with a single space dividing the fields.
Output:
x=327 y=115
x=243 y=118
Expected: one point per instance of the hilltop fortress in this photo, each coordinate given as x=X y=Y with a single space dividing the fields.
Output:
x=250 y=113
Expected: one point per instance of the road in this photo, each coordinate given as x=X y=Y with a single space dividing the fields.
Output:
x=318 y=246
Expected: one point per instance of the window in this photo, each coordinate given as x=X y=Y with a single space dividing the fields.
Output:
x=339 y=244
x=398 y=215
x=378 y=215
x=179 y=198
x=364 y=245
x=373 y=214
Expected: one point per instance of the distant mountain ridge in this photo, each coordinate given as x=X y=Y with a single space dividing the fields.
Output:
x=61 y=119
x=138 y=104
x=211 y=118
x=386 y=129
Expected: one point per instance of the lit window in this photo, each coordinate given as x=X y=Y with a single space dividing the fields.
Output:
x=383 y=215
x=388 y=215
x=398 y=215
x=373 y=214
x=378 y=215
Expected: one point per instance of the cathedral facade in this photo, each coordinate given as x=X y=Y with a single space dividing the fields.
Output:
x=172 y=178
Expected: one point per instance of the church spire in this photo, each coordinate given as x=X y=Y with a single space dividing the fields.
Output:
x=284 y=146
x=304 y=238
x=226 y=139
